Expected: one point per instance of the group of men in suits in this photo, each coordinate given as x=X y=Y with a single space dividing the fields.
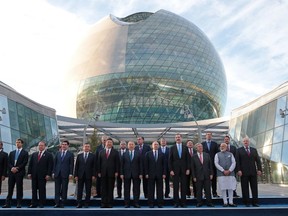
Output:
x=130 y=164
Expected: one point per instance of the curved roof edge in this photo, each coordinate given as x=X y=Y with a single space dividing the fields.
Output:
x=12 y=94
x=262 y=100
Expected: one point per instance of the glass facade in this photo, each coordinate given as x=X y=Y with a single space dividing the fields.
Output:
x=267 y=130
x=146 y=69
x=22 y=121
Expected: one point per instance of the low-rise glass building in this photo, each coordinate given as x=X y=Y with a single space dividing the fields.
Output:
x=20 y=117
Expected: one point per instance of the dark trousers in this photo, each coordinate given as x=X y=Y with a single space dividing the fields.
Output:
x=98 y=186
x=12 y=180
x=61 y=189
x=167 y=185
x=245 y=180
x=136 y=190
x=206 y=185
x=145 y=187
x=88 y=184
x=214 y=182
x=38 y=185
x=182 y=180
x=0 y=183
x=119 y=186
x=152 y=182
x=107 y=188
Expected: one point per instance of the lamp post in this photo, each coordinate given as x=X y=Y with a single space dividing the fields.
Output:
x=188 y=114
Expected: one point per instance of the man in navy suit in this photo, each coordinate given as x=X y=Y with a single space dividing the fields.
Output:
x=84 y=173
x=3 y=164
x=16 y=170
x=248 y=165
x=98 y=179
x=212 y=149
x=122 y=150
x=165 y=151
x=143 y=149
x=108 y=170
x=202 y=173
x=155 y=171
x=192 y=151
x=62 y=172
x=131 y=170
x=40 y=171
x=179 y=166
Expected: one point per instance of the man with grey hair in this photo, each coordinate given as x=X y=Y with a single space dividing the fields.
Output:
x=225 y=165
x=248 y=166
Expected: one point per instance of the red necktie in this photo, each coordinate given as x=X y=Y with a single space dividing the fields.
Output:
x=201 y=158
x=107 y=153
x=248 y=151
x=190 y=151
x=39 y=155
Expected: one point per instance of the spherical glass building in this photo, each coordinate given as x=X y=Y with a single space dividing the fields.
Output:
x=145 y=68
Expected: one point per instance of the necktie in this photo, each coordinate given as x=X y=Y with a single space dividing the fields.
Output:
x=39 y=155
x=131 y=157
x=62 y=155
x=201 y=158
x=140 y=149
x=122 y=151
x=248 y=151
x=17 y=154
x=190 y=151
x=208 y=145
x=179 y=150
x=107 y=153
x=86 y=156
x=228 y=148
x=155 y=155
x=163 y=150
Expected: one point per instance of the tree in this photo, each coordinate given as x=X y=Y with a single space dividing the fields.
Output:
x=94 y=140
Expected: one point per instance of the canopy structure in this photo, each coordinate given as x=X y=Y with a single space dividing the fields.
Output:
x=79 y=130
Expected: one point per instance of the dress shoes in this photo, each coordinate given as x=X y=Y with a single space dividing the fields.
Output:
x=210 y=205
x=225 y=205
x=176 y=205
x=79 y=206
x=32 y=206
x=41 y=206
x=167 y=196
x=151 y=206
x=199 y=204
x=255 y=205
x=126 y=206
x=18 y=206
x=160 y=206
x=57 y=206
x=216 y=195
x=232 y=205
x=6 y=206
x=137 y=206
x=247 y=205
x=183 y=206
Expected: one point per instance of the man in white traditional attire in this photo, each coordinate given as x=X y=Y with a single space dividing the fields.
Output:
x=225 y=164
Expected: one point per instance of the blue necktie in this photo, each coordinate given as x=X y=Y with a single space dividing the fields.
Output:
x=17 y=154
x=179 y=150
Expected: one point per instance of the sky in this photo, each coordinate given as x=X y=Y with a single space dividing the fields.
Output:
x=39 y=37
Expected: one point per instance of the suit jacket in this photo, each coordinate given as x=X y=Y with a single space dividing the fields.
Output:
x=3 y=163
x=233 y=150
x=21 y=162
x=201 y=171
x=63 y=167
x=108 y=166
x=176 y=164
x=99 y=148
x=132 y=168
x=190 y=157
x=42 y=168
x=249 y=165
x=214 y=148
x=155 y=168
x=85 y=168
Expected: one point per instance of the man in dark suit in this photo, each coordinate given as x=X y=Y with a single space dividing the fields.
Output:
x=121 y=150
x=131 y=170
x=165 y=151
x=84 y=173
x=3 y=164
x=98 y=179
x=62 y=172
x=143 y=149
x=212 y=149
x=17 y=161
x=248 y=165
x=108 y=170
x=202 y=173
x=40 y=171
x=179 y=166
x=233 y=150
x=155 y=173
x=192 y=151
